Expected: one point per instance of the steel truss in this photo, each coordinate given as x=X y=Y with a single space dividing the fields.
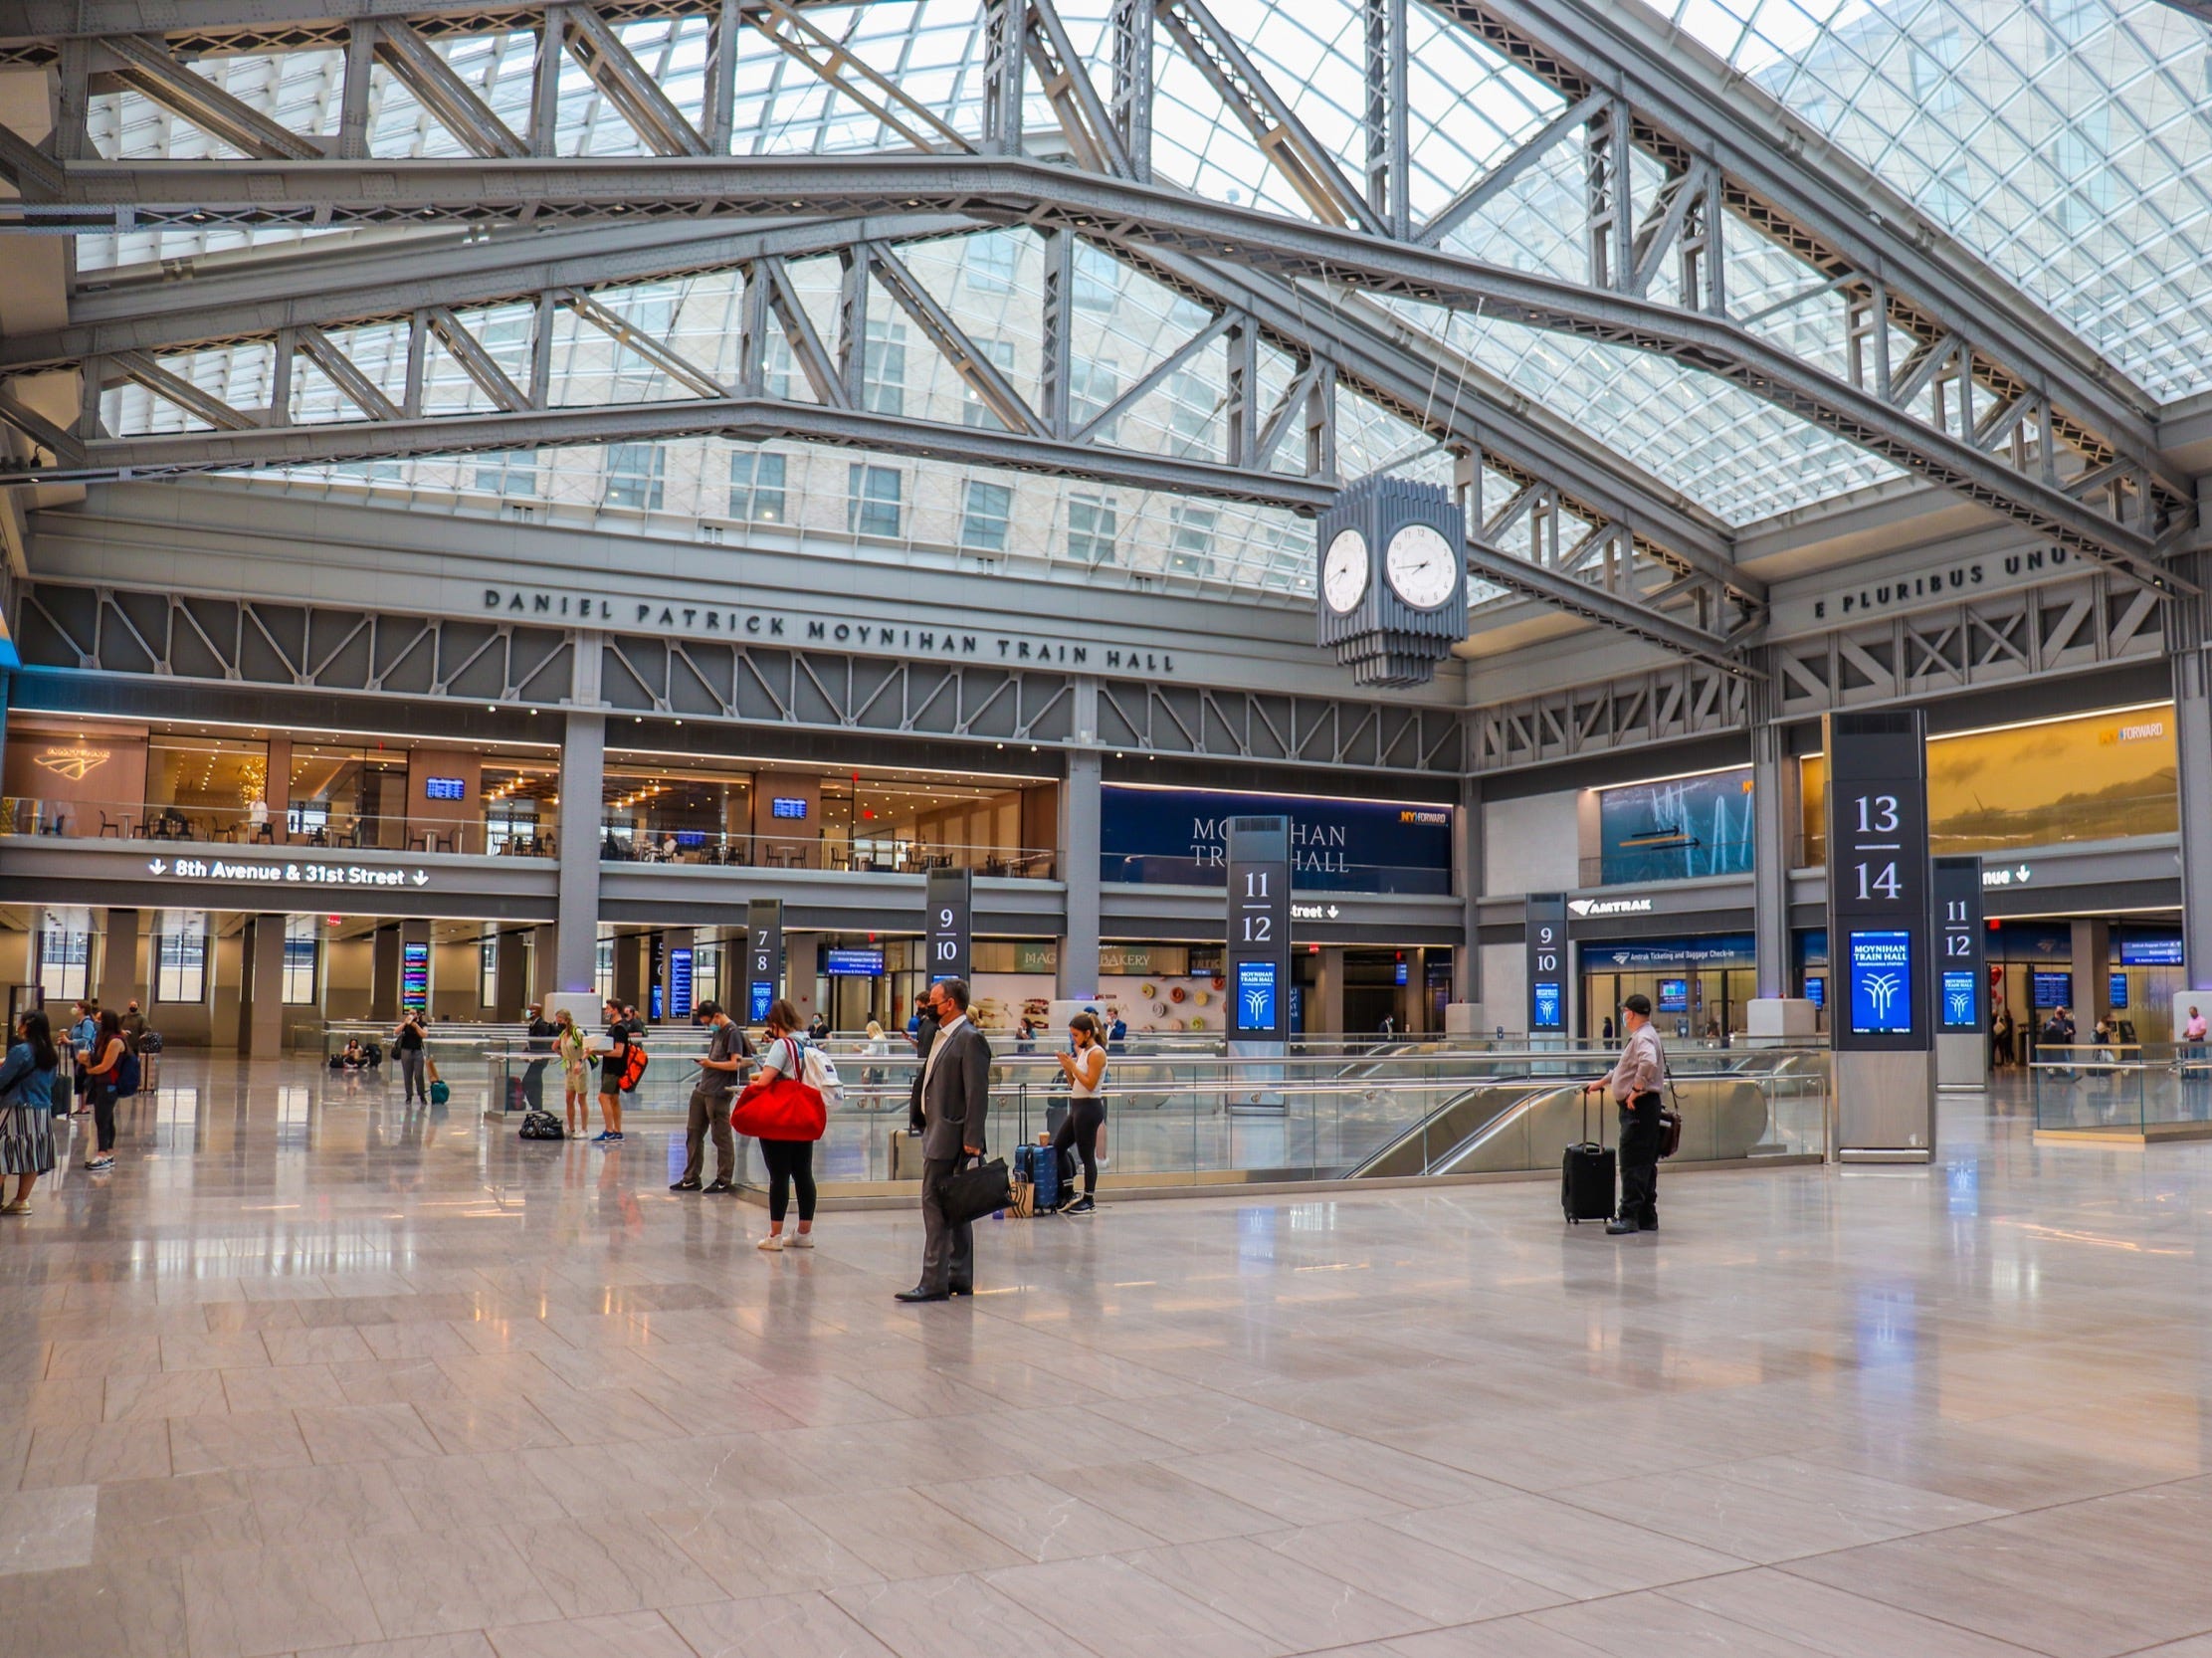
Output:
x=2072 y=626
x=190 y=640
x=1950 y=373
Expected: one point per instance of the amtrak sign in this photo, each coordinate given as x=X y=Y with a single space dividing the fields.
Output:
x=281 y=873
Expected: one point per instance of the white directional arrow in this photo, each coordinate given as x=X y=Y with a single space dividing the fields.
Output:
x=2023 y=872
x=157 y=866
x=421 y=879
x=1332 y=912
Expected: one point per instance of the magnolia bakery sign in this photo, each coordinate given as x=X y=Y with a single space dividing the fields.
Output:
x=693 y=620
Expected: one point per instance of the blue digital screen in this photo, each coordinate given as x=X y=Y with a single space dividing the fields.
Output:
x=444 y=788
x=1816 y=991
x=1256 y=992
x=1179 y=836
x=2119 y=999
x=2150 y=953
x=853 y=964
x=414 y=976
x=1673 y=995
x=1401 y=974
x=1962 y=999
x=652 y=1011
x=1881 y=983
x=690 y=837
x=2051 y=990
x=785 y=805
x=763 y=995
x=1544 y=1010
x=679 y=984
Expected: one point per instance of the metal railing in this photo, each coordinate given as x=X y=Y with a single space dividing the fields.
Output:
x=2120 y=1087
x=1191 y=1120
x=813 y=852
x=293 y=831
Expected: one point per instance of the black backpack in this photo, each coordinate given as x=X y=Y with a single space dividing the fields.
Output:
x=541 y=1124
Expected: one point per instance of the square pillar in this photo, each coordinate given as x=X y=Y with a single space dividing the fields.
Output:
x=629 y=969
x=510 y=975
x=384 y=958
x=1326 y=1016
x=1080 y=803
x=261 y=988
x=583 y=781
x=2093 y=969
x=802 y=957
x=118 y=960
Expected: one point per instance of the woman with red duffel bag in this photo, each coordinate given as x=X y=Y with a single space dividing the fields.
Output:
x=787 y=1116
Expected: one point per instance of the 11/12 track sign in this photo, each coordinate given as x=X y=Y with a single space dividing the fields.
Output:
x=1259 y=933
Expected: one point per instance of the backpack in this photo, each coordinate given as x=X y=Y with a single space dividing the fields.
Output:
x=818 y=1072
x=633 y=1067
x=127 y=1074
x=542 y=1125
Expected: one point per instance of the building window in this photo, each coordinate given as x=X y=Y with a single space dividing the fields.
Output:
x=602 y=970
x=1190 y=541
x=884 y=367
x=64 y=963
x=1934 y=60
x=1090 y=529
x=990 y=262
x=973 y=410
x=1093 y=385
x=984 y=516
x=1192 y=408
x=300 y=945
x=507 y=471
x=488 y=973
x=1097 y=279
x=872 y=504
x=775 y=370
x=635 y=472
x=180 y=960
x=757 y=485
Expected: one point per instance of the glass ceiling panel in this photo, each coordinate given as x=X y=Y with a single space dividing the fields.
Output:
x=2067 y=142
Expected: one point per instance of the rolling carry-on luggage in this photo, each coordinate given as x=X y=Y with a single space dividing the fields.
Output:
x=1586 y=1177
x=1044 y=1174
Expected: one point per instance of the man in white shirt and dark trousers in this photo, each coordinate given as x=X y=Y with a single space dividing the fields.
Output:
x=954 y=1102
x=1634 y=1082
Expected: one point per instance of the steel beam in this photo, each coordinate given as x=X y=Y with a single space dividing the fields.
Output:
x=117 y=195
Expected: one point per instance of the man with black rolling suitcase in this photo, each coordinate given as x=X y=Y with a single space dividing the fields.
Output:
x=1634 y=1081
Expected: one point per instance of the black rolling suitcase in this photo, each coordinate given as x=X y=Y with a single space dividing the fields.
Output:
x=1586 y=1177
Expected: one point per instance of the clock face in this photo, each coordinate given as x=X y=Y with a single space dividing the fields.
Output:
x=1344 y=570
x=1422 y=566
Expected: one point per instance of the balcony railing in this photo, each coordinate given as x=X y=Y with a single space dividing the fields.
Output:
x=236 y=826
x=773 y=852
x=1635 y=866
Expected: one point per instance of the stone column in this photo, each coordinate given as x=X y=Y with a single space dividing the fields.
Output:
x=1080 y=803
x=2192 y=722
x=118 y=960
x=583 y=776
x=803 y=962
x=1774 y=815
x=384 y=958
x=629 y=969
x=2093 y=968
x=261 y=988
x=510 y=975
x=1326 y=1016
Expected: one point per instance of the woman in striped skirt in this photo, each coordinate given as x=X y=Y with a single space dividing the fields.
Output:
x=27 y=1112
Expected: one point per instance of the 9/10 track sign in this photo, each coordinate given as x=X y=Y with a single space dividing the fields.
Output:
x=950 y=896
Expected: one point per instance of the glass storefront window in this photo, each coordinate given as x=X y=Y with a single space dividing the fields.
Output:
x=2088 y=777
x=204 y=787
x=181 y=958
x=64 y=956
x=302 y=942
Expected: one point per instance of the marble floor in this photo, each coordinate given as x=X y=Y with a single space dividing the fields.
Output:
x=306 y=1374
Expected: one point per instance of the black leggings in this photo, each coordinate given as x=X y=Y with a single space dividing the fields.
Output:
x=103 y=1093
x=1085 y=1118
x=790 y=1163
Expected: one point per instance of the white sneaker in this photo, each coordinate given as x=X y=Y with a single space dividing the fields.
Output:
x=773 y=1244
x=800 y=1240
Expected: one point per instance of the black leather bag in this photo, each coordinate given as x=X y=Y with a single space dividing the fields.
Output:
x=977 y=1191
x=541 y=1124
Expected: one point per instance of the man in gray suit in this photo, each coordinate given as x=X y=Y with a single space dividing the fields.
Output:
x=955 y=1101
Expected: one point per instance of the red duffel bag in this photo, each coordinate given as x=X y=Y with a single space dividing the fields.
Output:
x=782 y=1108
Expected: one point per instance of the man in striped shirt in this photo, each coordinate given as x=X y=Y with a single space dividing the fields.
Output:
x=1635 y=1083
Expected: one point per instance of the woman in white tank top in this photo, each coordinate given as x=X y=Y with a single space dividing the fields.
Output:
x=1084 y=1067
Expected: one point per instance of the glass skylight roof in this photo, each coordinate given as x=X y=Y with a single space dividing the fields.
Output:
x=2065 y=142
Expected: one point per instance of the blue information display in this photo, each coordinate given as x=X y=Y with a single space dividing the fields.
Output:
x=787 y=805
x=2119 y=999
x=444 y=788
x=762 y=996
x=1549 y=1014
x=2150 y=953
x=1816 y=991
x=414 y=976
x=680 y=983
x=853 y=964
x=1881 y=968
x=1673 y=995
x=1182 y=837
x=2051 y=990
x=1961 y=1004
x=1256 y=993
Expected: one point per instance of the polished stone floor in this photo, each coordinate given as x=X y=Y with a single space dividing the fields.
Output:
x=307 y=1374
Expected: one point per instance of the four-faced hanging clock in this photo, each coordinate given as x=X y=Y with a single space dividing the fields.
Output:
x=1392 y=583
